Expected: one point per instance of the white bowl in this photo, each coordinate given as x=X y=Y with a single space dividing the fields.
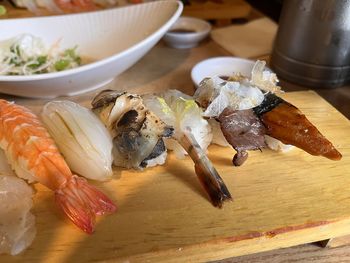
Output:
x=115 y=39
x=180 y=40
x=221 y=66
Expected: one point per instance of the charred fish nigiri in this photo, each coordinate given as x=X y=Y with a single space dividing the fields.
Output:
x=34 y=156
x=137 y=132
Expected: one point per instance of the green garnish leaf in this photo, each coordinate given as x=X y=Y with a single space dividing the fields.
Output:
x=18 y=51
x=42 y=59
x=15 y=49
x=71 y=52
x=39 y=61
x=15 y=61
x=61 y=64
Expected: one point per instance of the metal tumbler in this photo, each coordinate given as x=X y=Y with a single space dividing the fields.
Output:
x=312 y=46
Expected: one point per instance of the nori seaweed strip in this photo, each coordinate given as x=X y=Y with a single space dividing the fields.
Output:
x=270 y=102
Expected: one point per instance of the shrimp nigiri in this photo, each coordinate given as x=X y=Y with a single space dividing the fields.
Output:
x=34 y=156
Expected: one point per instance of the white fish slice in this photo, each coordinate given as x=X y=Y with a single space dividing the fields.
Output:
x=180 y=111
x=17 y=223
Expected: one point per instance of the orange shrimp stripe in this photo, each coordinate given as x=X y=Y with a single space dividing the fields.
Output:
x=27 y=139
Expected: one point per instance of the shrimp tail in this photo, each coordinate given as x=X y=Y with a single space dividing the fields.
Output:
x=81 y=202
x=206 y=173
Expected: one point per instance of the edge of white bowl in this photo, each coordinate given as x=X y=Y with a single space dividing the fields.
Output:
x=101 y=62
x=205 y=31
x=200 y=64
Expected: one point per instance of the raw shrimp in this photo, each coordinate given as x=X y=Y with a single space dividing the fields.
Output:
x=192 y=134
x=34 y=156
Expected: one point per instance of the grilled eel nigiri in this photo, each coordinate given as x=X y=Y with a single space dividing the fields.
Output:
x=288 y=124
x=245 y=129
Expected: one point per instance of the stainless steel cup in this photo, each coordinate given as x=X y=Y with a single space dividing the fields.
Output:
x=312 y=46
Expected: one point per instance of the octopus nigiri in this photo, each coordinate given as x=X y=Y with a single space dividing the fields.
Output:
x=34 y=156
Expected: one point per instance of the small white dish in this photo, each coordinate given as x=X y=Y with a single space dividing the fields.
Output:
x=221 y=66
x=113 y=39
x=187 y=32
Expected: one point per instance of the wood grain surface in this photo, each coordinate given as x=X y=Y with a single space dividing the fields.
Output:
x=225 y=9
x=308 y=253
x=280 y=200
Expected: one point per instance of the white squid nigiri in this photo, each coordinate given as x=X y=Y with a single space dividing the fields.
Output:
x=82 y=139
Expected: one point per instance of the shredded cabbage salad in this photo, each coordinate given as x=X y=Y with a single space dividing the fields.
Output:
x=28 y=55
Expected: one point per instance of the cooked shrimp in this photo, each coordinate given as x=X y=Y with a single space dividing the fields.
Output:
x=75 y=5
x=206 y=172
x=34 y=156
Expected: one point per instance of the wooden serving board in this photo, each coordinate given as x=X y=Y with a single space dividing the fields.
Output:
x=280 y=200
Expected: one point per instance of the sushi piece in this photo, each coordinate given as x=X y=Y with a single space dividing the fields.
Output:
x=277 y=145
x=185 y=116
x=180 y=111
x=17 y=223
x=136 y=131
x=246 y=115
x=287 y=123
x=243 y=130
x=80 y=135
x=218 y=136
x=69 y=6
x=34 y=156
x=215 y=94
x=73 y=6
x=228 y=102
x=5 y=167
